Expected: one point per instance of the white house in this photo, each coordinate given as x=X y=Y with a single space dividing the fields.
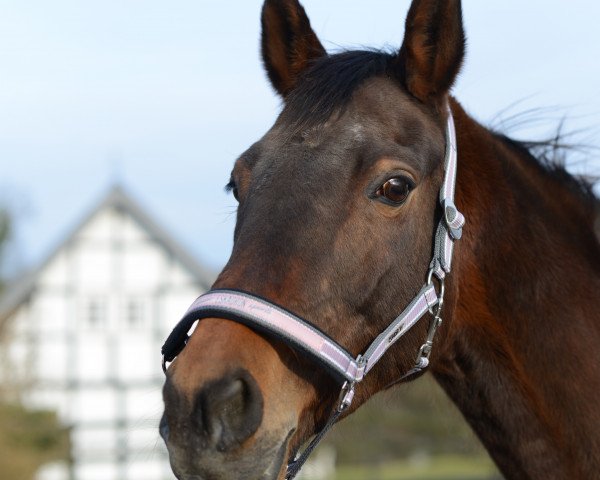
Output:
x=82 y=336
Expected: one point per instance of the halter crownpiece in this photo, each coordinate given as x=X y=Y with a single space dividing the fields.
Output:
x=267 y=317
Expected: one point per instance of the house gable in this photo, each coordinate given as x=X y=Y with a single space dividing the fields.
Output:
x=83 y=332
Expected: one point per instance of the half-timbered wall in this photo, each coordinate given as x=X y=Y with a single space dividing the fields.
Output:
x=87 y=344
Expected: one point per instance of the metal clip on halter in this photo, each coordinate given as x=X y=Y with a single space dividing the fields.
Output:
x=347 y=391
x=346 y=396
x=422 y=359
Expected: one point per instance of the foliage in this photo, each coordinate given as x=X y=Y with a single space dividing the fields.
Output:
x=412 y=420
x=28 y=439
x=447 y=467
x=5 y=228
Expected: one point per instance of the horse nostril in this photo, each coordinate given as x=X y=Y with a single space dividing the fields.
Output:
x=231 y=409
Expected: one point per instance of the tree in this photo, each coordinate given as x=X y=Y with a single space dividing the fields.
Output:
x=4 y=236
x=412 y=419
x=28 y=438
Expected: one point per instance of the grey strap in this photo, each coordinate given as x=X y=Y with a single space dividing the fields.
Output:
x=450 y=228
x=423 y=302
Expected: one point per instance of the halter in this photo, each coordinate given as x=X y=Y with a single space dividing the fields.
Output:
x=265 y=316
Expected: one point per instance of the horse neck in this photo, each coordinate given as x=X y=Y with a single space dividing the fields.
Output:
x=521 y=358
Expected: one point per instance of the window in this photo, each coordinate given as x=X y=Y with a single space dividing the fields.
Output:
x=95 y=313
x=135 y=313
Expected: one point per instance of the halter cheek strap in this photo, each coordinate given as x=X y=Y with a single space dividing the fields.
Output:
x=267 y=317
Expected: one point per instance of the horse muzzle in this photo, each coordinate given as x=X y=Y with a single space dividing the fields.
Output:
x=218 y=438
x=223 y=420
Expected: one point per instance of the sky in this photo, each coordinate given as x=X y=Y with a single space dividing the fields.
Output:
x=163 y=96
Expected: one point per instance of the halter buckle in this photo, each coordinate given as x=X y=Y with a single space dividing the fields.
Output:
x=453 y=218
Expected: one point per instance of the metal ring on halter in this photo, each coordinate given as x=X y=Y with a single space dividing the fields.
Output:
x=346 y=396
x=440 y=295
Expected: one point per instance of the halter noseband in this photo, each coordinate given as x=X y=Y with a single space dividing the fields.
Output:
x=264 y=316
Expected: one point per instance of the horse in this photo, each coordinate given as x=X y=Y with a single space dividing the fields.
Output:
x=338 y=216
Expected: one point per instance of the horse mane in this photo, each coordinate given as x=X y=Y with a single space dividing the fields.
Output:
x=550 y=156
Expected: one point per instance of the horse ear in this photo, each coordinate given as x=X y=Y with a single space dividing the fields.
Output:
x=433 y=48
x=288 y=43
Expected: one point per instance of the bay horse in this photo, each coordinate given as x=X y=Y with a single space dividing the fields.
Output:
x=337 y=219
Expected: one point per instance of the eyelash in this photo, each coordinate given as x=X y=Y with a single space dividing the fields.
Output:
x=232 y=187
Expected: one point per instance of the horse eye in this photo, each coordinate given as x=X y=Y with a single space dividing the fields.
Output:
x=396 y=190
x=232 y=187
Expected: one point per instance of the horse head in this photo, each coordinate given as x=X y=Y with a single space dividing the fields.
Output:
x=338 y=208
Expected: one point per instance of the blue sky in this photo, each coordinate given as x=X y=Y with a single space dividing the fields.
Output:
x=164 y=95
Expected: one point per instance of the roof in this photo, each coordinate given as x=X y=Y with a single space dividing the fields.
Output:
x=117 y=198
